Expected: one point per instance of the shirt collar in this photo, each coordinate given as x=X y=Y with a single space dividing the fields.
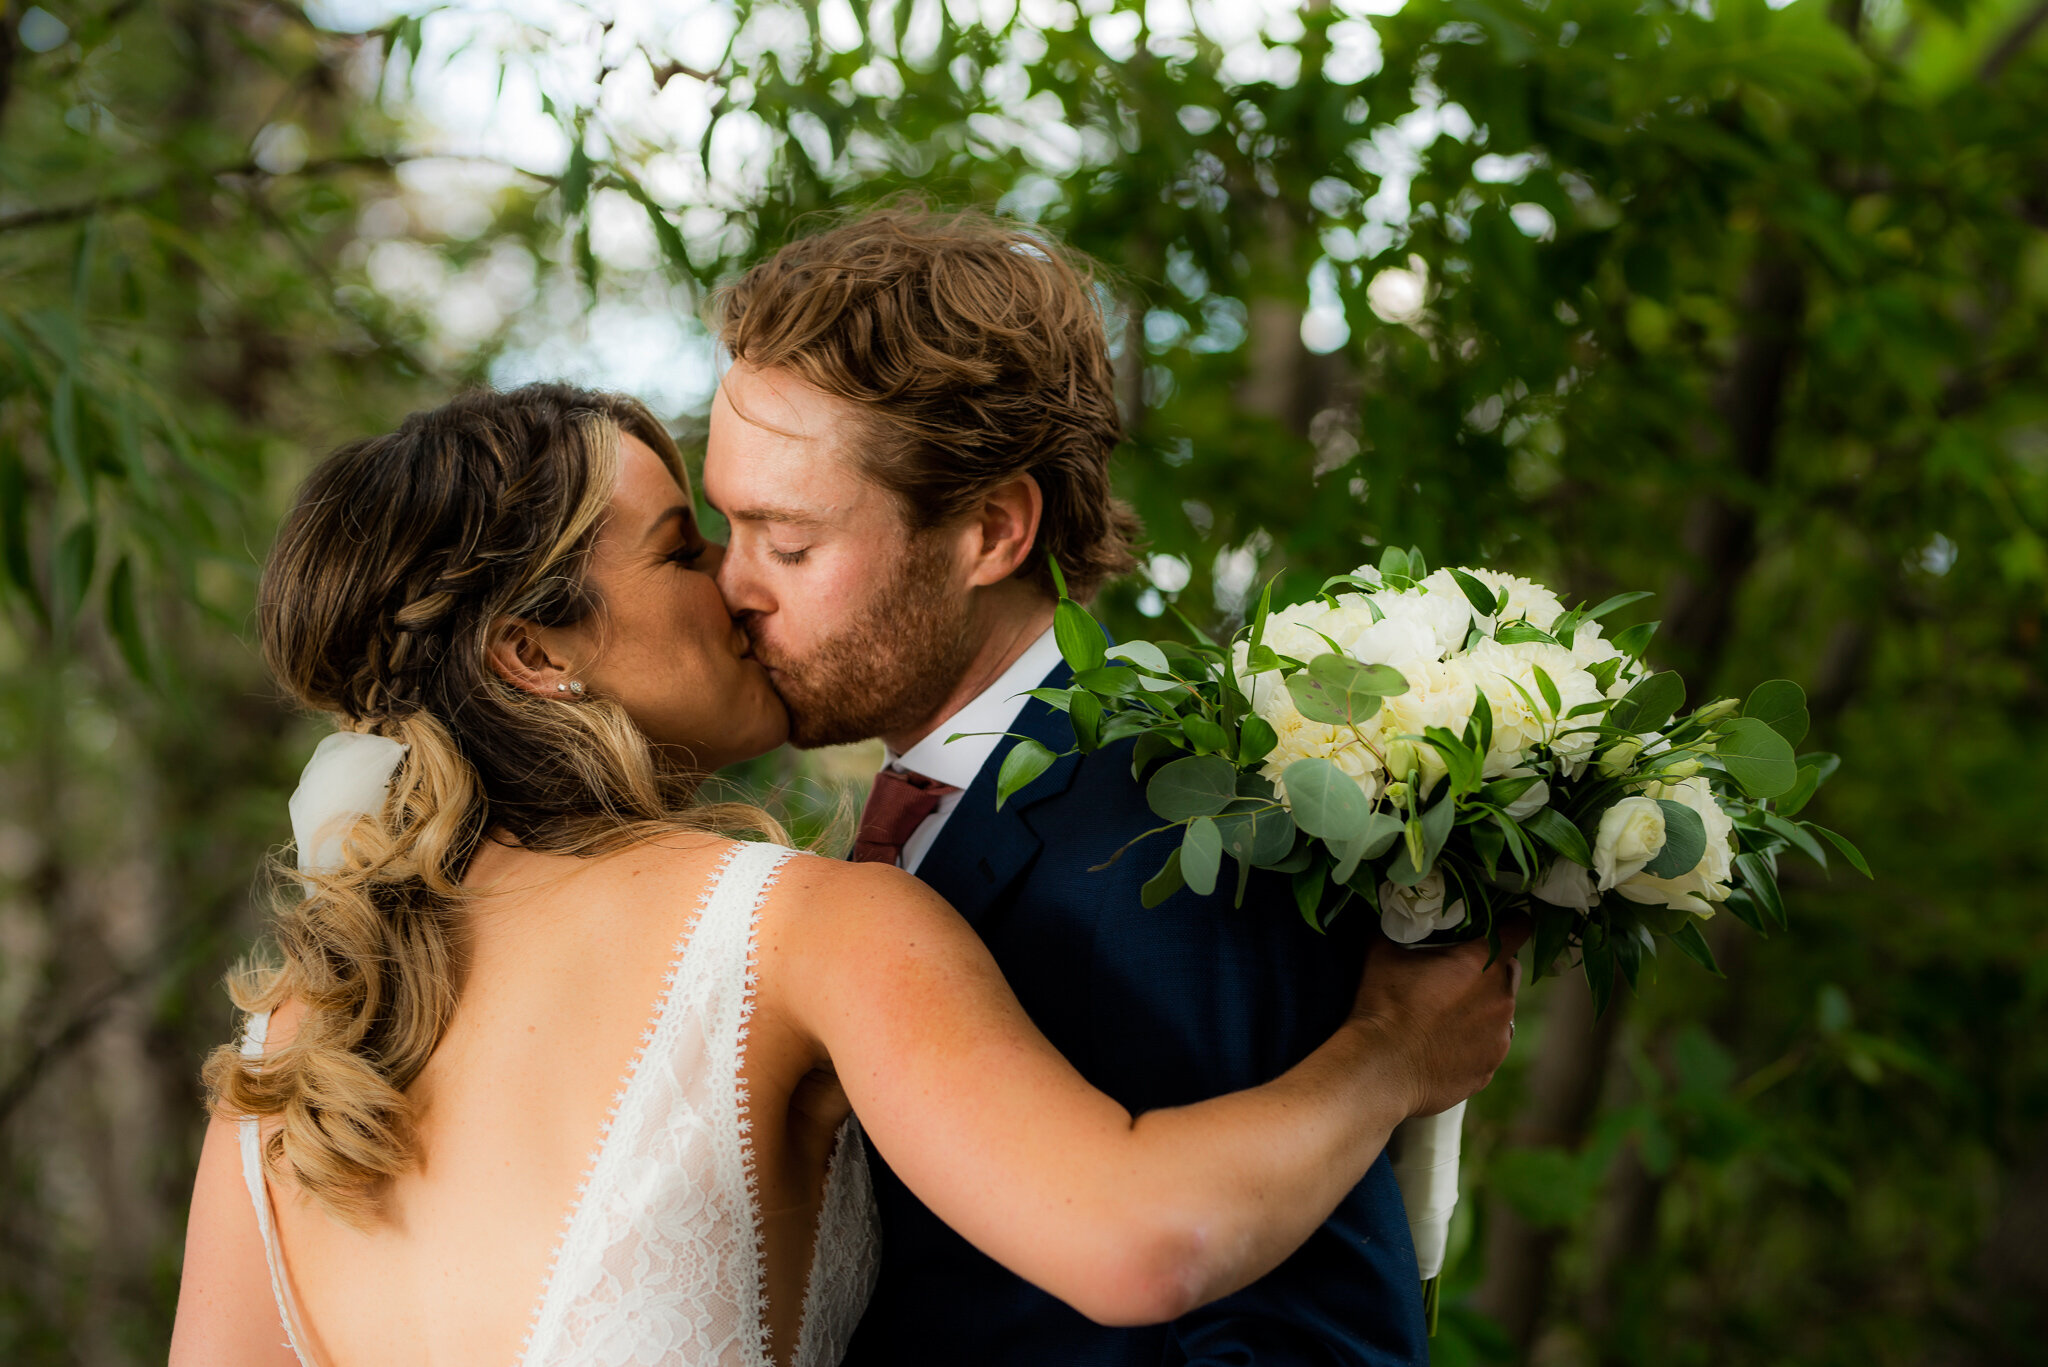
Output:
x=981 y=723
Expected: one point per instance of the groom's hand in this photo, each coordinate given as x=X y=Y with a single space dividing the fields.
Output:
x=1444 y=1013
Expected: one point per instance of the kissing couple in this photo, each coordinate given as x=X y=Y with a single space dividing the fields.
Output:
x=559 y=1062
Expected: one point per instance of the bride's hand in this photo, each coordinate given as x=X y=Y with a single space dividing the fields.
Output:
x=1443 y=1013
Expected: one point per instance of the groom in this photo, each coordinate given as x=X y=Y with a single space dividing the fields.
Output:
x=919 y=412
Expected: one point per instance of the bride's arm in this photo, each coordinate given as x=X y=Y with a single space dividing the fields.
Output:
x=1129 y=1220
x=227 y=1316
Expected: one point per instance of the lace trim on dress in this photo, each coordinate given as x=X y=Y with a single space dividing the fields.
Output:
x=757 y=1222
x=604 y=1133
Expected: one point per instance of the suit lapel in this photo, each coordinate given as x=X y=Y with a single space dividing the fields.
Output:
x=981 y=851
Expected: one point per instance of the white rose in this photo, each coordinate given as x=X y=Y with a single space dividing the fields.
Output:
x=1631 y=835
x=1530 y=802
x=1565 y=884
x=1408 y=915
x=1708 y=881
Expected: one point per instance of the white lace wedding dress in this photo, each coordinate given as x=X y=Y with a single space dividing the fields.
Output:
x=660 y=1259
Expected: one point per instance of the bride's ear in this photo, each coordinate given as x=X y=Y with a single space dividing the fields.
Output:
x=520 y=654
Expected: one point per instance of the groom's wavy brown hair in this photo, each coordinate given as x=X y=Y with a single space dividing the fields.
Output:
x=974 y=348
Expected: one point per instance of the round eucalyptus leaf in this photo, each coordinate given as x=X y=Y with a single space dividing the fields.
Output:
x=1200 y=785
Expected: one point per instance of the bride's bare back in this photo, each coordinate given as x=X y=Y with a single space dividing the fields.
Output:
x=568 y=963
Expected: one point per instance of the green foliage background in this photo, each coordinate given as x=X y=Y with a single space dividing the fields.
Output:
x=1743 y=304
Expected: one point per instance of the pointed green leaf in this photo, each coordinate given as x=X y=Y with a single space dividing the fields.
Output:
x=1027 y=760
x=1082 y=644
x=1555 y=829
x=1084 y=710
x=1616 y=603
x=1476 y=593
x=1164 y=883
x=1849 y=851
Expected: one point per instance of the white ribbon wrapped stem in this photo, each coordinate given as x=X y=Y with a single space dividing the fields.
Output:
x=1424 y=1151
x=347 y=779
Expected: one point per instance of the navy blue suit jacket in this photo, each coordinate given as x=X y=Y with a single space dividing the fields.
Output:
x=1158 y=1007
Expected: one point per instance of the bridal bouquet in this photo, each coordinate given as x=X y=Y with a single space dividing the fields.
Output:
x=1446 y=749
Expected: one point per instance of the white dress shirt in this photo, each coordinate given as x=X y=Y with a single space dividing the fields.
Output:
x=984 y=719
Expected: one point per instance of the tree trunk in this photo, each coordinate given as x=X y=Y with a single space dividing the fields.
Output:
x=1720 y=532
x=1564 y=1089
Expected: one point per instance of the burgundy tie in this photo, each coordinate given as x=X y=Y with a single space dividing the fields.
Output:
x=897 y=806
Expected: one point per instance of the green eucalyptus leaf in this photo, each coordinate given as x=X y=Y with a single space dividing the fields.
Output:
x=1327 y=802
x=1685 y=841
x=1201 y=855
x=1256 y=831
x=1756 y=757
x=1650 y=703
x=1781 y=705
x=1199 y=785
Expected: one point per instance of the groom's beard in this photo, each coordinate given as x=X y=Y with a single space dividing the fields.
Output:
x=890 y=668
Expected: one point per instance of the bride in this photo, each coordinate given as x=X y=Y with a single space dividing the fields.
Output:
x=533 y=973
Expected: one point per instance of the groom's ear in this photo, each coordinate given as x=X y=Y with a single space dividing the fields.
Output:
x=520 y=656
x=1003 y=530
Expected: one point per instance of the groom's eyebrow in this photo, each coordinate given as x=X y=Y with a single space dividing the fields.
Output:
x=794 y=517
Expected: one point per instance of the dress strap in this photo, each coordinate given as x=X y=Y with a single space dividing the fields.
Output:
x=259 y=1196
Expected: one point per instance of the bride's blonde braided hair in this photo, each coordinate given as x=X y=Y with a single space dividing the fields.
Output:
x=377 y=607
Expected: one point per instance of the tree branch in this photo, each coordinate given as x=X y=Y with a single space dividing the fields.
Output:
x=74 y=1032
x=2013 y=44
x=70 y=213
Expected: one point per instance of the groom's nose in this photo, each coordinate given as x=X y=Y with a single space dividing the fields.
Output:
x=743 y=591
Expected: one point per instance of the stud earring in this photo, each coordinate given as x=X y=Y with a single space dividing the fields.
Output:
x=574 y=688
